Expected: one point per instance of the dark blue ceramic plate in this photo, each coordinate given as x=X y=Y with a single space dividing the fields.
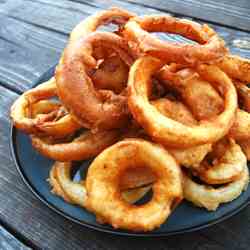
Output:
x=34 y=169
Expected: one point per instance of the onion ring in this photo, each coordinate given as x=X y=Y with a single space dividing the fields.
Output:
x=56 y=188
x=75 y=192
x=170 y=132
x=188 y=157
x=85 y=146
x=210 y=47
x=19 y=110
x=225 y=168
x=103 y=179
x=112 y=15
x=25 y=117
x=236 y=67
x=94 y=109
x=205 y=102
x=209 y=197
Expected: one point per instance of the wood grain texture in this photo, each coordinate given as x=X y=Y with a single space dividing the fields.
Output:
x=9 y=242
x=221 y=12
x=32 y=36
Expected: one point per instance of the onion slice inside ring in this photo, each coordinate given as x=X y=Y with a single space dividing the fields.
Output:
x=170 y=132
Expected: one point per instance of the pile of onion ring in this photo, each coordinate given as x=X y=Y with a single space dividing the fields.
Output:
x=171 y=118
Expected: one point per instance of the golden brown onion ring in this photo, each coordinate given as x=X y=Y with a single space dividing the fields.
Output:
x=224 y=168
x=210 y=198
x=236 y=67
x=29 y=113
x=210 y=47
x=75 y=192
x=102 y=184
x=85 y=146
x=188 y=157
x=20 y=109
x=205 y=102
x=95 y=109
x=112 y=15
x=53 y=181
x=167 y=131
x=90 y=24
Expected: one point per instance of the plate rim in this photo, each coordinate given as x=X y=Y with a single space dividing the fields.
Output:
x=35 y=192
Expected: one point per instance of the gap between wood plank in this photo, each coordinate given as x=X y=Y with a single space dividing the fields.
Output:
x=9 y=87
x=18 y=236
x=34 y=24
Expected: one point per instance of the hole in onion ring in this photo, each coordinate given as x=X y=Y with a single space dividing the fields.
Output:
x=95 y=109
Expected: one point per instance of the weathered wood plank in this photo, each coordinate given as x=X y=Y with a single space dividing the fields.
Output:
x=226 y=13
x=59 y=17
x=32 y=52
x=119 y=3
x=22 y=211
x=10 y=242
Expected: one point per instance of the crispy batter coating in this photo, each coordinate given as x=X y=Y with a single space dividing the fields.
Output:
x=102 y=184
x=210 y=47
x=95 y=109
x=170 y=132
x=224 y=168
x=85 y=146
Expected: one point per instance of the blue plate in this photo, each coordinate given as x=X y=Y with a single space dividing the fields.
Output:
x=35 y=168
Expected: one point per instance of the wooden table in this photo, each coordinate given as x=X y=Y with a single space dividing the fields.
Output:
x=32 y=37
